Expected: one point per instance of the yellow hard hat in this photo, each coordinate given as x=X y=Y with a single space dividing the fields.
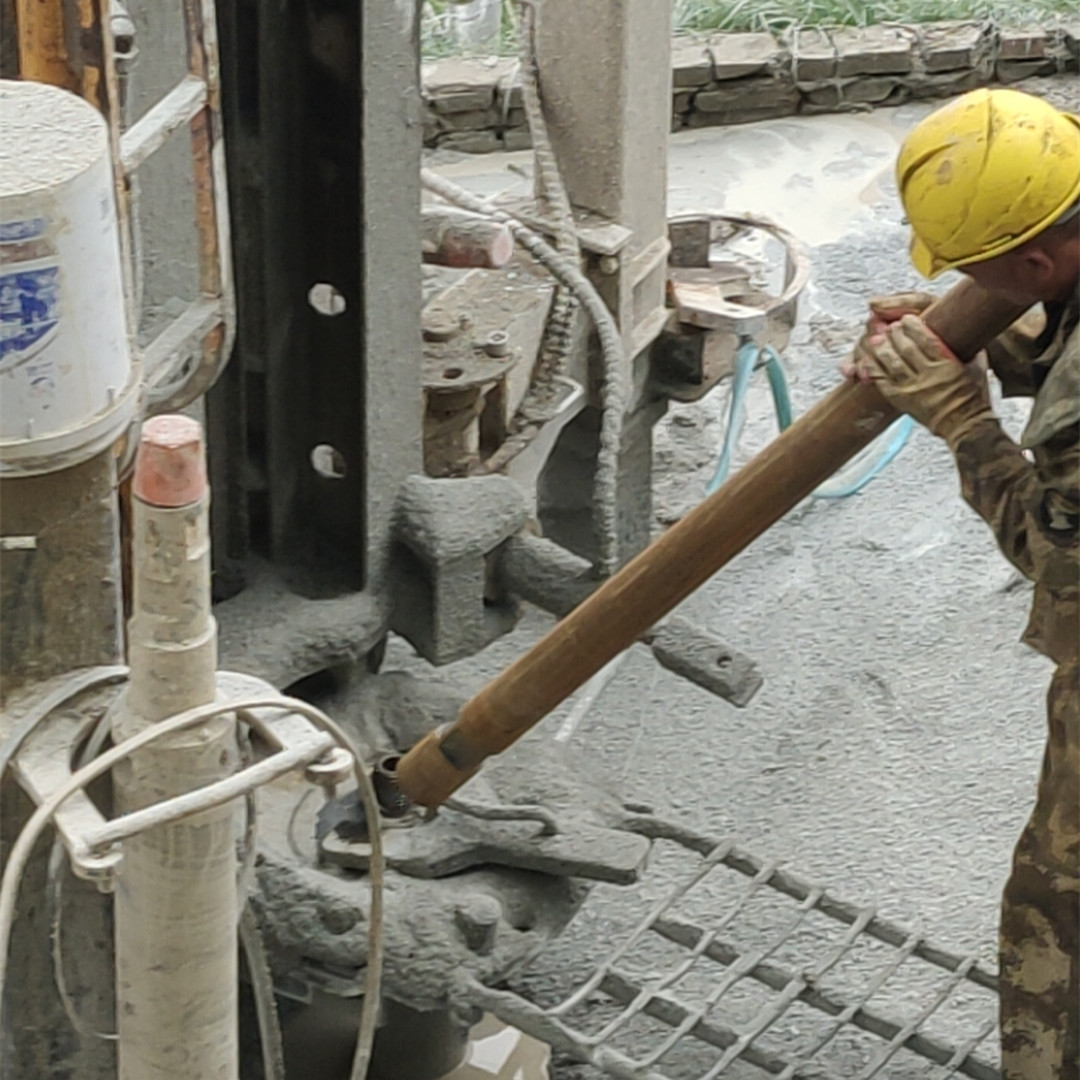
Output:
x=984 y=175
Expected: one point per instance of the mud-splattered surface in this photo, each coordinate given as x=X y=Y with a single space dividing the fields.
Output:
x=893 y=750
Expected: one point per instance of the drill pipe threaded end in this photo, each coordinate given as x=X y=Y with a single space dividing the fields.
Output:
x=426 y=776
x=170 y=464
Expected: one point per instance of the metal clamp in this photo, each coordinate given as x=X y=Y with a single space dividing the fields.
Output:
x=43 y=763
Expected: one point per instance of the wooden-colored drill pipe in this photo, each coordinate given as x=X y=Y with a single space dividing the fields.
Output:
x=685 y=557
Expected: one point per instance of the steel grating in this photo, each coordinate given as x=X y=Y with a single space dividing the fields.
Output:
x=736 y=968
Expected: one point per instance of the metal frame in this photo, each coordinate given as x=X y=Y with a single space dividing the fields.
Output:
x=187 y=357
x=56 y=716
x=688 y=997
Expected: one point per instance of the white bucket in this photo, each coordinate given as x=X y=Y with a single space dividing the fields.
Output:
x=68 y=387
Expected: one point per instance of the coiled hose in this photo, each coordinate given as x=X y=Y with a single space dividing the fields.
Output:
x=865 y=467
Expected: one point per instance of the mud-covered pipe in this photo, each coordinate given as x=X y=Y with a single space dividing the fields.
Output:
x=176 y=897
x=684 y=558
x=456 y=238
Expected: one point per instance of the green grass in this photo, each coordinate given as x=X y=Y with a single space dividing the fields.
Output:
x=702 y=15
x=699 y=16
x=436 y=42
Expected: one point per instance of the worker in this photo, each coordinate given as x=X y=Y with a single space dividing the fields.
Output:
x=990 y=184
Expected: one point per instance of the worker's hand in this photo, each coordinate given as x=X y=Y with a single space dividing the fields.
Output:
x=884 y=311
x=890 y=309
x=914 y=369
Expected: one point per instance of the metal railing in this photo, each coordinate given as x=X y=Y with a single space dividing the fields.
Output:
x=186 y=357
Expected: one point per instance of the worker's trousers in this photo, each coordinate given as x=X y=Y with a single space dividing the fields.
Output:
x=1040 y=911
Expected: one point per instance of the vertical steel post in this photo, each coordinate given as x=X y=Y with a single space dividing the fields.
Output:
x=176 y=894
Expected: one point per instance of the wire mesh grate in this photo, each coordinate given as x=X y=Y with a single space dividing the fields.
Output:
x=738 y=969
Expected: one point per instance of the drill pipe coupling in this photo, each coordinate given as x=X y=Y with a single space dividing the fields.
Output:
x=427 y=776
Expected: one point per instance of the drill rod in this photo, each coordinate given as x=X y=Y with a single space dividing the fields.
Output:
x=684 y=558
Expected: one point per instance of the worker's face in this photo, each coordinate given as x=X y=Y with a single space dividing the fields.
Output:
x=1033 y=273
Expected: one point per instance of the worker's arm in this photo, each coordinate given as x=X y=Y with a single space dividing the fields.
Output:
x=1034 y=516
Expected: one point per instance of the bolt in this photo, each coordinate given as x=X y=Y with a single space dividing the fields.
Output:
x=609 y=264
x=339 y=918
x=438 y=326
x=334 y=767
x=497 y=344
x=477 y=917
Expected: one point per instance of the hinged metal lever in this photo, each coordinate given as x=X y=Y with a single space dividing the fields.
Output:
x=44 y=763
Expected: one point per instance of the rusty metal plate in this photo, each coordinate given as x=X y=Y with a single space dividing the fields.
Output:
x=484 y=326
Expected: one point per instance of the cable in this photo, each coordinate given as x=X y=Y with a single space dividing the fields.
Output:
x=262 y=988
x=54 y=910
x=248 y=929
x=290 y=828
x=745 y=360
x=897 y=435
x=54 y=906
x=774 y=368
x=249 y=844
x=24 y=845
x=212 y=795
x=77 y=683
x=611 y=347
x=54 y=899
x=551 y=188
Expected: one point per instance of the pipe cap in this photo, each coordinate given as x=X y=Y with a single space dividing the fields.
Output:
x=170 y=465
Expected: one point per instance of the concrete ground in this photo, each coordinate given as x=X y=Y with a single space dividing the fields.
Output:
x=893 y=750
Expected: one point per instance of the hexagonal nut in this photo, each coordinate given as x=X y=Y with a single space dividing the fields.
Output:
x=497 y=343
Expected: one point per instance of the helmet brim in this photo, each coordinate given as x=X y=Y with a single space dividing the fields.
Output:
x=924 y=261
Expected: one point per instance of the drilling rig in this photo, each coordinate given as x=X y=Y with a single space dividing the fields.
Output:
x=222 y=280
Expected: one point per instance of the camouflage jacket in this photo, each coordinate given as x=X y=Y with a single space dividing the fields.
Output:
x=1029 y=493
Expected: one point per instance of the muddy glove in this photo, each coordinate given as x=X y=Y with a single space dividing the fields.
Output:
x=916 y=372
x=890 y=309
x=884 y=310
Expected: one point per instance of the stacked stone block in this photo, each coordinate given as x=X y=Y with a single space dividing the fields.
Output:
x=475 y=105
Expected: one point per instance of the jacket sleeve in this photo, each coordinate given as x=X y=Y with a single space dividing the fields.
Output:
x=1011 y=353
x=1034 y=513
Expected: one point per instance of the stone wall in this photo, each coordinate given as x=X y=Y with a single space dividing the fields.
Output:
x=475 y=106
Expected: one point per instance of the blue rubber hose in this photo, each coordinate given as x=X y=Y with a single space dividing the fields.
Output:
x=891 y=441
x=894 y=438
x=745 y=361
x=779 y=386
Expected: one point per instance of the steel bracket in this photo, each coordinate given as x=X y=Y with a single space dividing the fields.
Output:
x=44 y=759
